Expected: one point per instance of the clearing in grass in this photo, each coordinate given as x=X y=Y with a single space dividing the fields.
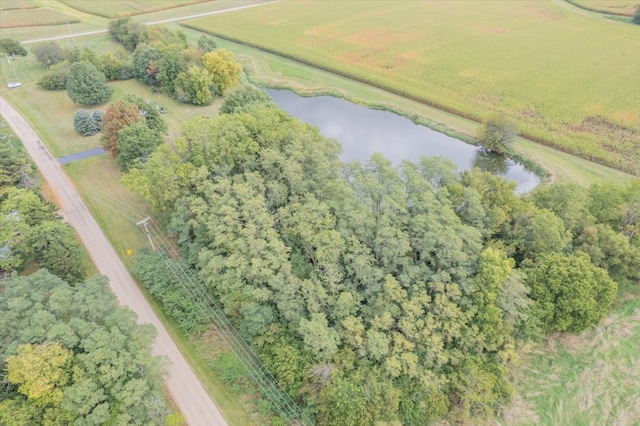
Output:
x=568 y=80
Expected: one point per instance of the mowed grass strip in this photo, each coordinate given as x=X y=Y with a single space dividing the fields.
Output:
x=613 y=7
x=568 y=80
x=116 y=8
x=29 y=17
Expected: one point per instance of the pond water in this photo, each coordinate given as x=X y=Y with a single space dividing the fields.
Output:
x=363 y=131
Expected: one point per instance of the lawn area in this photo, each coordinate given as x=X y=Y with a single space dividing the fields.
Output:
x=28 y=17
x=616 y=7
x=556 y=73
x=117 y=8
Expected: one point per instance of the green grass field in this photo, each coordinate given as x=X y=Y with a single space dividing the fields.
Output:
x=567 y=79
x=616 y=7
x=116 y=8
x=34 y=17
x=587 y=379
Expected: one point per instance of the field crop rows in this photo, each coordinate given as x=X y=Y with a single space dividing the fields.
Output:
x=33 y=16
x=115 y=8
x=569 y=81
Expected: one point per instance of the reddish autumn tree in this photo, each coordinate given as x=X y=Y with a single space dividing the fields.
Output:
x=119 y=114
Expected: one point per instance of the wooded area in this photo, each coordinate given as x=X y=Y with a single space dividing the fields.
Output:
x=376 y=293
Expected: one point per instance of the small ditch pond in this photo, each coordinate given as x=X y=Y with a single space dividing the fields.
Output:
x=363 y=131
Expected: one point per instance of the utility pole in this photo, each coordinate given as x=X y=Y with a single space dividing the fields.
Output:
x=144 y=222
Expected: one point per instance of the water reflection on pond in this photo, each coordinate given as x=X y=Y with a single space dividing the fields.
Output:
x=363 y=131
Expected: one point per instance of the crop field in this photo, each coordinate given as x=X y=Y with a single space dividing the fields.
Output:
x=569 y=80
x=616 y=7
x=115 y=8
x=28 y=17
x=18 y=4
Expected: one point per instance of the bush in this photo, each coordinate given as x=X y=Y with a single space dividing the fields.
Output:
x=57 y=78
x=12 y=47
x=636 y=17
x=84 y=123
x=497 y=133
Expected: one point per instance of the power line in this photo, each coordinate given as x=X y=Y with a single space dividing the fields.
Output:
x=266 y=382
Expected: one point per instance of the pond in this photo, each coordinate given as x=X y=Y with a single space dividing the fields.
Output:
x=363 y=131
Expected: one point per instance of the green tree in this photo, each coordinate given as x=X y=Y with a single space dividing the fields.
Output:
x=98 y=118
x=243 y=96
x=56 y=79
x=170 y=64
x=225 y=71
x=14 y=165
x=152 y=117
x=84 y=123
x=135 y=143
x=92 y=364
x=636 y=16
x=497 y=133
x=12 y=47
x=206 y=44
x=194 y=86
x=86 y=85
x=57 y=250
x=49 y=54
x=118 y=115
x=571 y=292
x=145 y=64
x=127 y=31
x=114 y=64
x=40 y=371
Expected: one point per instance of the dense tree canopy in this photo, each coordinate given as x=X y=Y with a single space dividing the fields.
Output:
x=374 y=293
x=73 y=356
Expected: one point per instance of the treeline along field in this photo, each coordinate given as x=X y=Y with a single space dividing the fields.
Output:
x=568 y=80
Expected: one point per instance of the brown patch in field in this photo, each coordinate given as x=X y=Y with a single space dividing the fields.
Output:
x=318 y=30
x=535 y=11
x=378 y=39
x=629 y=116
x=519 y=411
x=490 y=30
x=486 y=99
x=600 y=126
x=411 y=54
x=211 y=340
x=528 y=114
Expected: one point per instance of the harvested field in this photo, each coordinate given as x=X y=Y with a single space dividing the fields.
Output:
x=30 y=17
x=552 y=71
x=18 y=4
x=117 y=8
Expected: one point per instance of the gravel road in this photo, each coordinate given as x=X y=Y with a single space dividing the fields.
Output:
x=184 y=386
